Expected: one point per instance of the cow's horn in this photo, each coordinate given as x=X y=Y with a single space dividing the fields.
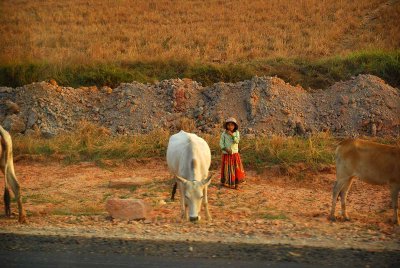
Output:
x=181 y=179
x=207 y=181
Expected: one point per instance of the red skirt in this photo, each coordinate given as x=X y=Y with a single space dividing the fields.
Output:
x=232 y=172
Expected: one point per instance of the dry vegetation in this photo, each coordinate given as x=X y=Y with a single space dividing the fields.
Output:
x=92 y=143
x=83 y=31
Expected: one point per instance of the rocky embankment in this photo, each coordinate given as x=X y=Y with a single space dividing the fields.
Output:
x=364 y=105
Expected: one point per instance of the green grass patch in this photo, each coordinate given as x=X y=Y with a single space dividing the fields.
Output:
x=274 y=216
x=133 y=188
x=42 y=199
x=106 y=196
x=312 y=73
x=23 y=199
x=84 y=211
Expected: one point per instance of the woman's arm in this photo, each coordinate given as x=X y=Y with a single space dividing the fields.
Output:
x=236 y=137
x=222 y=142
x=223 y=145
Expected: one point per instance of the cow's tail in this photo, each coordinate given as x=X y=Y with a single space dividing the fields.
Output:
x=174 y=191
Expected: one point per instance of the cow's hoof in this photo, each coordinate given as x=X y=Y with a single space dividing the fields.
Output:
x=346 y=219
x=332 y=218
x=194 y=219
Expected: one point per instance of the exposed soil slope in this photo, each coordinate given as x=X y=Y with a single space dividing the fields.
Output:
x=263 y=105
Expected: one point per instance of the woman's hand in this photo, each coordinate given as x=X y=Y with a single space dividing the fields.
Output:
x=229 y=132
x=228 y=150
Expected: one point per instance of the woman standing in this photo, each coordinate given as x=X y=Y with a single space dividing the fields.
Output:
x=232 y=172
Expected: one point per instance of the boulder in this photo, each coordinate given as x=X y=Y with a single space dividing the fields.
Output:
x=128 y=182
x=14 y=124
x=12 y=107
x=32 y=118
x=127 y=209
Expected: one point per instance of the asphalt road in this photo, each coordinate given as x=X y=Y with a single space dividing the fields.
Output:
x=55 y=251
x=77 y=259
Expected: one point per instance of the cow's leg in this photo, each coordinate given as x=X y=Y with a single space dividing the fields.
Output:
x=343 y=197
x=186 y=212
x=7 y=208
x=14 y=184
x=335 y=193
x=208 y=215
x=183 y=207
x=394 y=189
x=7 y=200
x=174 y=191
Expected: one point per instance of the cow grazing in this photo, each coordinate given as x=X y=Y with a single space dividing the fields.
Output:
x=7 y=167
x=189 y=158
x=369 y=161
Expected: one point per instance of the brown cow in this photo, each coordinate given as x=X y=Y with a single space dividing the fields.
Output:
x=7 y=167
x=369 y=161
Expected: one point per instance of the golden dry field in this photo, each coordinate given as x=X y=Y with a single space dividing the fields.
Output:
x=86 y=31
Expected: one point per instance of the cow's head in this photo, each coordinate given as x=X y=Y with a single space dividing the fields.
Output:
x=194 y=191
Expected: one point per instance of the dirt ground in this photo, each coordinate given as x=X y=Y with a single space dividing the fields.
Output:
x=269 y=208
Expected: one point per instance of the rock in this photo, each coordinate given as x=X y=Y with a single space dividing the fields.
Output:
x=32 y=117
x=344 y=100
x=127 y=209
x=12 y=107
x=47 y=133
x=53 y=82
x=285 y=111
x=300 y=129
x=373 y=129
x=5 y=89
x=128 y=182
x=29 y=132
x=14 y=124
x=106 y=90
x=121 y=129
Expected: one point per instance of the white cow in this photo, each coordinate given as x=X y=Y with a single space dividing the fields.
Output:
x=189 y=158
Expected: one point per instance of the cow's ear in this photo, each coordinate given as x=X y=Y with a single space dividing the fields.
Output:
x=206 y=181
x=181 y=179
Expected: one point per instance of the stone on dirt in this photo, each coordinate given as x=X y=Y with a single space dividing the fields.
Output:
x=127 y=209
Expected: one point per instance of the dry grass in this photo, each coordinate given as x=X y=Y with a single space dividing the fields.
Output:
x=86 y=31
x=92 y=143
